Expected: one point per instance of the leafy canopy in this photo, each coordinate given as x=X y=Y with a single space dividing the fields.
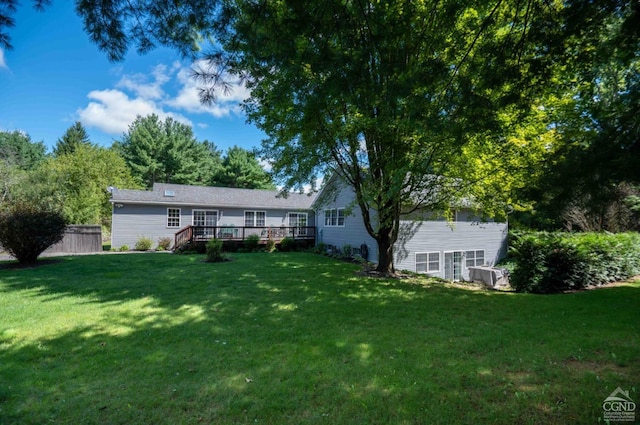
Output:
x=81 y=178
x=17 y=149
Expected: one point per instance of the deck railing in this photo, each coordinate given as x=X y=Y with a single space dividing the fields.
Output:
x=238 y=234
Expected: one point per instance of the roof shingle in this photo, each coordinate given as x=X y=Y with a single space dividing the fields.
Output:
x=213 y=196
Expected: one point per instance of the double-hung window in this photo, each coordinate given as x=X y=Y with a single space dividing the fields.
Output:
x=428 y=262
x=173 y=217
x=474 y=258
x=255 y=218
x=334 y=217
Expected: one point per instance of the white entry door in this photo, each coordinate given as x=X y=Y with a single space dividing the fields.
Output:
x=206 y=218
x=299 y=222
x=453 y=265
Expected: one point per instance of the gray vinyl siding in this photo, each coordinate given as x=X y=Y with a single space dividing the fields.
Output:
x=130 y=222
x=352 y=233
x=438 y=236
x=416 y=236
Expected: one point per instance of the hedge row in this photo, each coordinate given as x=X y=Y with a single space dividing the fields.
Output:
x=555 y=262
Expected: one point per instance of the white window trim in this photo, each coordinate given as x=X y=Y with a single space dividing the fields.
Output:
x=179 y=218
x=255 y=218
x=440 y=257
x=463 y=264
x=475 y=257
x=193 y=215
x=337 y=210
x=306 y=218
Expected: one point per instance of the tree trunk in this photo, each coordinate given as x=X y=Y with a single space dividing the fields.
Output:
x=385 y=253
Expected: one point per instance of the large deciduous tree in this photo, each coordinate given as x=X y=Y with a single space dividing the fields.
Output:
x=397 y=98
x=81 y=179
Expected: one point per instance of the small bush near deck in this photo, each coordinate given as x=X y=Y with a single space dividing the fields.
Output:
x=124 y=248
x=251 y=243
x=164 y=243
x=143 y=244
x=287 y=244
x=347 y=251
x=555 y=262
x=271 y=245
x=214 y=251
x=321 y=248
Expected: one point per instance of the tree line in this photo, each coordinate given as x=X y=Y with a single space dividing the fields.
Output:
x=74 y=177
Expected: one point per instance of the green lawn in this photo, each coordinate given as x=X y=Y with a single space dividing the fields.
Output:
x=296 y=338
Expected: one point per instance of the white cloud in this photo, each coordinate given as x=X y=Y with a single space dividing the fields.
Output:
x=227 y=102
x=142 y=87
x=3 y=63
x=112 y=111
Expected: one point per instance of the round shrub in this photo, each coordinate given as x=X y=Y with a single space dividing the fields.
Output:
x=143 y=244
x=164 y=244
x=251 y=243
x=214 y=251
x=287 y=244
x=27 y=230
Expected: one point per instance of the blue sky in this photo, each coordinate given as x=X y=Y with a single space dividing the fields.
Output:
x=55 y=76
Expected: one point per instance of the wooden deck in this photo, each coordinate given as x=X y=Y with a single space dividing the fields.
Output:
x=191 y=234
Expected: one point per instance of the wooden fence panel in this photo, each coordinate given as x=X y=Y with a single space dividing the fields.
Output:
x=79 y=239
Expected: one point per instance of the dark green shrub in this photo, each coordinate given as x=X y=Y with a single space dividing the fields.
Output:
x=300 y=244
x=251 y=243
x=529 y=254
x=347 y=251
x=321 y=248
x=27 y=230
x=287 y=244
x=214 y=251
x=555 y=262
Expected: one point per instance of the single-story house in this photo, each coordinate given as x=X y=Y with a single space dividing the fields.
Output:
x=222 y=212
x=434 y=246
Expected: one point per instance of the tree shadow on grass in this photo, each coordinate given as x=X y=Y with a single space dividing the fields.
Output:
x=15 y=265
x=172 y=340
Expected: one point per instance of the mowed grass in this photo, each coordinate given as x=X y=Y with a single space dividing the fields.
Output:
x=296 y=338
